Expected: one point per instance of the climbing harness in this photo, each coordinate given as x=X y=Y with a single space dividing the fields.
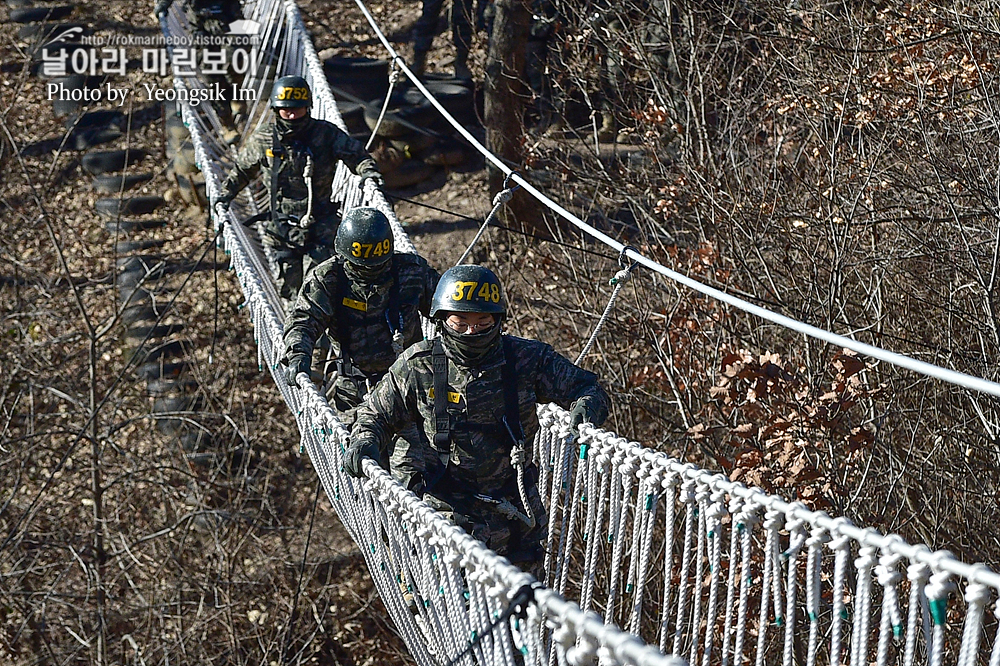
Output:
x=502 y=197
x=618 y=281
x=511 y=421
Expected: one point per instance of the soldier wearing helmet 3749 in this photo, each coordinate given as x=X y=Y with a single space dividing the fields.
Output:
x=297 y=156
x=473 y=391
x=368 y=299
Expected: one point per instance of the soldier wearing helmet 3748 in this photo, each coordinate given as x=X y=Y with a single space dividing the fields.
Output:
x=297 y=155
x=368 y=299
x=473 y=391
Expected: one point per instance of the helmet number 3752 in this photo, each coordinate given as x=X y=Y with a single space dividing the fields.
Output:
x=466 y=291
x=293 y=93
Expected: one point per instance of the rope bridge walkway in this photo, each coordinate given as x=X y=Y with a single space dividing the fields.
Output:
x=692 y=567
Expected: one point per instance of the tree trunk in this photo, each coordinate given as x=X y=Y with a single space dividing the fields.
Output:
x=505 y=101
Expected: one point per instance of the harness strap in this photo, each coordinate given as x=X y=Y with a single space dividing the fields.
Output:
x=442 y=424
x=393 y=314
x=277 y=156
x=508 y=377
x=343 y=330
x=508 y=380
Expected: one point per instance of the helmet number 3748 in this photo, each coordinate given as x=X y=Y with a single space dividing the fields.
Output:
x=466 y=290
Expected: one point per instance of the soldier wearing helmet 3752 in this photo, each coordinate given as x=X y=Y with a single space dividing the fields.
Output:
x=473 y=391
x=297 y=155
x=368 y=299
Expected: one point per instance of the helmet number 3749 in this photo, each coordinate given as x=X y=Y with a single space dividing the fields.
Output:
x=466 y=291
x=367 y=250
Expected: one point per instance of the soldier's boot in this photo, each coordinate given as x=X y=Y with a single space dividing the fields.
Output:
x=419 y=65
x=608 y=131
x=462 y=71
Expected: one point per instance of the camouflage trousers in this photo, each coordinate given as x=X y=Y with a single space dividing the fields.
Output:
x=298 y=251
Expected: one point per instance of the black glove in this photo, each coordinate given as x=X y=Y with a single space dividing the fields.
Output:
x=357 y=450
x=161 y=7
x=296 y=364
x=580 y=413
x=373 y=175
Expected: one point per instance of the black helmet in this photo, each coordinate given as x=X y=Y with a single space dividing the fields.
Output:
x=290 y=92
x=364 y=237
x=469 y=288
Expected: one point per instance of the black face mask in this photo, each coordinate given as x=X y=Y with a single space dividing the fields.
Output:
x=290 y=128
x=367 y=275
x=469 y=349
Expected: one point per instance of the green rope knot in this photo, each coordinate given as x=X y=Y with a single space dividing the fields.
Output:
x=939 y=611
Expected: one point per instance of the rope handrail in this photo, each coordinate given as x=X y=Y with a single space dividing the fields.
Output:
x=941 y=560
x=900 y=360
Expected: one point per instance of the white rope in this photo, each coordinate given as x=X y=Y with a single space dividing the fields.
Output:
x=796 y=540
x=714 y=515
x=501 y=198
x=670 y=484
x=814 y=568
x=736 y=511
x=689 y=498
x=841 y=546
x=618 y=281
x=862 y=606
x=891 y=628
x=773 y=521
x=917 y=614
x=393 y=78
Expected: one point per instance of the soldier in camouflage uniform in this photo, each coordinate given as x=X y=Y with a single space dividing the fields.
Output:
x=211 y=18
x=303 y=220
x=369 y=300
x=474 y=391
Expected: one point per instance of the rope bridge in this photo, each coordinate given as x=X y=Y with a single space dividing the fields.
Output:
x=692 y=567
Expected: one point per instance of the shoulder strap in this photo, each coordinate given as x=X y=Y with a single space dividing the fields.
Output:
x=508 y=377
x=343 y=330
x=442 y=424
x=392 y=314
x=277 y=155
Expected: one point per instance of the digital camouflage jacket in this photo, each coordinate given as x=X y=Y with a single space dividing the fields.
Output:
x=478 y=461
x=362 y=312
x=322 y=141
